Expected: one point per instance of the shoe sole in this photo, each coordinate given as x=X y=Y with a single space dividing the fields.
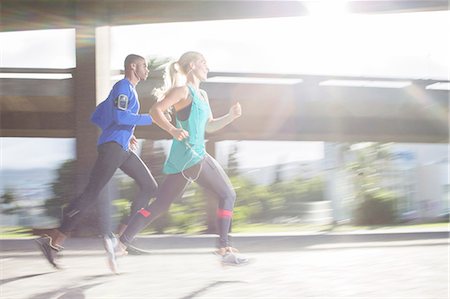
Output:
x=131 y=250
x=225 y=264
x=243 y=262
x=46 y=251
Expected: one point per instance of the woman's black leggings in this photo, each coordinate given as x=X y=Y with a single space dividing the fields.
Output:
x=111 y=157
x=212 y=178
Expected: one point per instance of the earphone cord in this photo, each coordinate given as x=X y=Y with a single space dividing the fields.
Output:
x=136 y=75
x=189 y=179
x=186 y=142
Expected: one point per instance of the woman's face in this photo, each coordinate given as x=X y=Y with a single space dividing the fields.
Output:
x=200 y=68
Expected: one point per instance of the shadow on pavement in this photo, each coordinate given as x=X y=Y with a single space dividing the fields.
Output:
x=208 y=287
x=12 y=279
x=67 y=292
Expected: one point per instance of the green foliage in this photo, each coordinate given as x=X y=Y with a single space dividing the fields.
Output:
x=233 y=164
x=122 y=208
x=157 y=62
x=9 y=198
x=375 y=209
x=374 y=205
x=254 y=203
x=184 y=215
x=189 y=212
x=63 y=188
x=368 y=167
x=296 y=191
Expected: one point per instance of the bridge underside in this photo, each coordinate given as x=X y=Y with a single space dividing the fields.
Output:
x=271 y=111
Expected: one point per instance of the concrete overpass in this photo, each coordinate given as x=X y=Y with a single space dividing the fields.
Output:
x=301 y=107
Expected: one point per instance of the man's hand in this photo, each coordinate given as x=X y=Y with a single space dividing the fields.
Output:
x=133 y=143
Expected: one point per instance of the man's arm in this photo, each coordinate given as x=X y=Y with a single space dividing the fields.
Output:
x=123 y=115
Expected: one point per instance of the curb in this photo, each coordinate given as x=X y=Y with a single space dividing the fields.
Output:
x=247 y=242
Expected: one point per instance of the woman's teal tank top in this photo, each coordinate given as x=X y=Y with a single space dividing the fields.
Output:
x=181 y=157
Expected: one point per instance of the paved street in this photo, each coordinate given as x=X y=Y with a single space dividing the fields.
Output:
x=283 y=266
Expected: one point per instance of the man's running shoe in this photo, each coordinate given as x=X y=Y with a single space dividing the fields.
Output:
x=110 y=243
x=49 y=250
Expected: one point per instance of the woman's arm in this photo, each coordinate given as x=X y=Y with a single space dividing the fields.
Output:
x=215 y=124
x=174 y=97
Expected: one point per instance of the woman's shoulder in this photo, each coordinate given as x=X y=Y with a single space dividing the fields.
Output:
x=203 y=93
x=177 y=94
x=182 y=90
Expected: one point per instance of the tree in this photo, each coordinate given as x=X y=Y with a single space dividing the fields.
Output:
x=9 y=198
x=233 y=164
x=63 y=189
x=375 y=205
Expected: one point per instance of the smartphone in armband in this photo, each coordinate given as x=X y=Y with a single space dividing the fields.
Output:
x=121 y=102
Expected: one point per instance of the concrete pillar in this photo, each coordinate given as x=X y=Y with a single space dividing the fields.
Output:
x=92 y=84
x=84 y=104
x=333 y=190
x=102 y=62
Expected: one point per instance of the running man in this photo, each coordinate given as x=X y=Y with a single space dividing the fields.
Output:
x=117 y=117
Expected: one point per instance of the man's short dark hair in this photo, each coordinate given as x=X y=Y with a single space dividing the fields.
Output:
x=132 y=58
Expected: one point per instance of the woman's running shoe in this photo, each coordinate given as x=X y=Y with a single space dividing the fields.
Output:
x=231 y=257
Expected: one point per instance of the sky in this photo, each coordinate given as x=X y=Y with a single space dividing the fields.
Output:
x=394 y=45
x=24 y=153
x=412 y=45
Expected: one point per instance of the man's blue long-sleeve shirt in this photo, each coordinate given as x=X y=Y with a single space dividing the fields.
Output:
x=118 y=115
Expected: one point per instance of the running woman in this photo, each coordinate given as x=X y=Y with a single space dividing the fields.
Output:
x=188 y=160
x=117 y=116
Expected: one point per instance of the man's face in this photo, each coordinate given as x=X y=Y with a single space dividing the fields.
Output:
x=142 y=69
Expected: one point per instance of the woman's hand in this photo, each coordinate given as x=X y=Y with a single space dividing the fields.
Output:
x=179 y=134
x=133 y=143
x=235 y=110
